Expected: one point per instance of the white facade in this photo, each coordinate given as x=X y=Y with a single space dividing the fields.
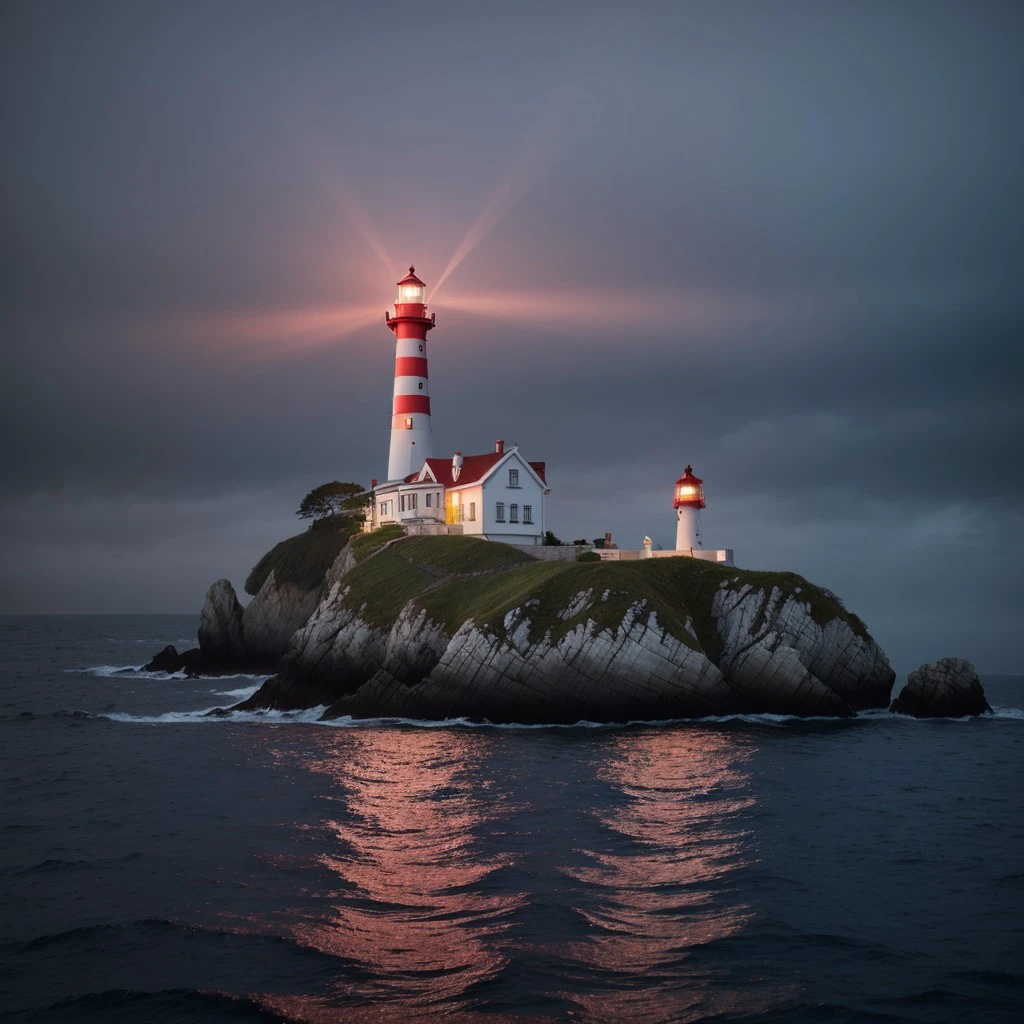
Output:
x=506 y=505
x=688 y=529
x=498 y=497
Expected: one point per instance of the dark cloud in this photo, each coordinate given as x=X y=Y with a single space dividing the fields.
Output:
x=781 y=242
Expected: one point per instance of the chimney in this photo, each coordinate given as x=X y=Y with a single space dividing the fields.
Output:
x=373 y=484
x=499 y=447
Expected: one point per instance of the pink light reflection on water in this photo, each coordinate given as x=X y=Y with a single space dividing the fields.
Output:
x=413 y=916
x=660 y=899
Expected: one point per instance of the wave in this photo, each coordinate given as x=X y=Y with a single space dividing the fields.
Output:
x=312 y=716
x=115 y=1005
x=138 y=672
x=243 y=692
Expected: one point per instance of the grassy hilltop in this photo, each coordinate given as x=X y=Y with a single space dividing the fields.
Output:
x=460 y=578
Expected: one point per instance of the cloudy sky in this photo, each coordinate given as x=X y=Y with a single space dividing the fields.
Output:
x=781 y=241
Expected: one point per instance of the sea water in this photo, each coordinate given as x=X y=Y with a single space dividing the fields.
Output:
x=159 y=865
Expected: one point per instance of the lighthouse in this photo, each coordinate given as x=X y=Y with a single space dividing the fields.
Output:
x=411 y=442
x=688 y=501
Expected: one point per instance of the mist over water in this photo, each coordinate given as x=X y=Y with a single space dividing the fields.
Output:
x=159 y=866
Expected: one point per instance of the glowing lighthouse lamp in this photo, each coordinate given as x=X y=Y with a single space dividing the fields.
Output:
x=688 y=501
x=411 y=439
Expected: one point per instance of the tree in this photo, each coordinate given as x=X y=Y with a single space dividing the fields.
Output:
x=333 y=499
x=550 y=540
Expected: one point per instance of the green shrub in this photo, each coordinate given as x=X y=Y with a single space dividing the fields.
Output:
x=588 y=556
x=305 y=559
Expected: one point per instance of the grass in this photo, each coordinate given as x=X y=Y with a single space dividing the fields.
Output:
x=305 y=559
x=554 y=586
x=462 y=554
x=382 y=586
x=678 y=590
x=367 y=543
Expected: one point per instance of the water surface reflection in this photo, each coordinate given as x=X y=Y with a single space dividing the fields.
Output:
x=658 y=887
x=413 y=913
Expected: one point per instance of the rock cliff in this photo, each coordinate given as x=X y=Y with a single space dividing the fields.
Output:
x=949 y=688
x=435 y=627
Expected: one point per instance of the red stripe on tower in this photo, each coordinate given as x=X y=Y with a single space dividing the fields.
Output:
x=410 y=366
x=403 y=404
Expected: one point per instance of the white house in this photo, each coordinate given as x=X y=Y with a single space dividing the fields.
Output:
x=497 y=496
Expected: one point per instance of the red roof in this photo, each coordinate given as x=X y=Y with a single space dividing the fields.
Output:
x=689 y=478
x=473 y=468
x=539 y=469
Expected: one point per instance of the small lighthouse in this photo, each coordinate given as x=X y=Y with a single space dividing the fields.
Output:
x=688 y=501
x=411 y=441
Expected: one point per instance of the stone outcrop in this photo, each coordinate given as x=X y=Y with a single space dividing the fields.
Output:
x=272 y=616
x=635 y=670
x=168 y=660
x=779 y=658
x=220 y=626
x=949 y=688
x=258 y=636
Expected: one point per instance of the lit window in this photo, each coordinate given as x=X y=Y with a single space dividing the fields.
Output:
x=513 y=513
x=513 y=478
x=429 y=496
x=408 y=423
x=528 y=514
x=472 y=510
x=499 y=511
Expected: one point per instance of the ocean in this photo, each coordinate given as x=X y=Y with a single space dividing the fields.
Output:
x=160 y=866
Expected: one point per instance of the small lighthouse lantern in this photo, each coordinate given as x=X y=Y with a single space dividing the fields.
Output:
x=411 y=290
x=689 y=491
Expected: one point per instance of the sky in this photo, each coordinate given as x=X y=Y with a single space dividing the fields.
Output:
x=779 y=241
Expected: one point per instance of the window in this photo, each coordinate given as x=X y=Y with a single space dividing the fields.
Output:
x=420 y=385
x=429 y=496
x=403 y=502
x=472 y=511
x=412 y=502
x=513 y=513
x=408 y=423
x=513 y=478
x=528 y=514
x=383 y=508
x=499 y=511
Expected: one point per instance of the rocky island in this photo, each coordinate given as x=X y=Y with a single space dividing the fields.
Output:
x=382 y=624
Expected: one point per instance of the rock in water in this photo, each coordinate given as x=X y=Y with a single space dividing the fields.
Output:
x=169 y=660
x=949 y=688
x=220 y=625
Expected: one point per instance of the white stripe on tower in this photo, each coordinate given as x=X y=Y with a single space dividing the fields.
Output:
x=411 y=439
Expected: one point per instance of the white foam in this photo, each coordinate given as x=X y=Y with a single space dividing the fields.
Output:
x=312 y=716
x=124 y=672
x=137 y=672
x=242 y=693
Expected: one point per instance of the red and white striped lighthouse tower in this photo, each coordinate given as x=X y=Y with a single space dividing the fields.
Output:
x=411 y=440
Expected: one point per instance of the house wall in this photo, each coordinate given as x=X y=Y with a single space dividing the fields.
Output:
x=465 y=497
x=528 y=492
x=392 y=496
